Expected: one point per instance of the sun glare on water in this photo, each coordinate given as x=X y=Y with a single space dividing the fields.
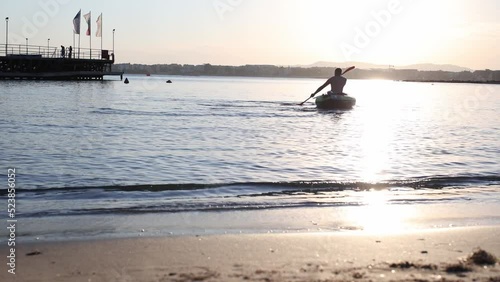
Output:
x=378 y=133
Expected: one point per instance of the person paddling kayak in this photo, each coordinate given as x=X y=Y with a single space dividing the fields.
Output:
x=337 y=82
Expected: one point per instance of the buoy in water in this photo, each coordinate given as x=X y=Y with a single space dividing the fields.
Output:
x=126 y=81
x=169 y=81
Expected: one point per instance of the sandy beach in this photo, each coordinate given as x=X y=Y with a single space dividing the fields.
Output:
x=426 y=255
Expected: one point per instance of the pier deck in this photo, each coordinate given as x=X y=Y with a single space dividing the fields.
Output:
x=37 y=62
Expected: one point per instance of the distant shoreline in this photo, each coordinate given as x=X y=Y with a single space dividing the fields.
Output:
x=270 y=71
x=301 y=77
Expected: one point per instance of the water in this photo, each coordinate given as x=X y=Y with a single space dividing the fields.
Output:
x=102 y=158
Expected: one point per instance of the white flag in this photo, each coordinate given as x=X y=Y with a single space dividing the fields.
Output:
x=98 y=33
x=87 y=19
x=76 y=23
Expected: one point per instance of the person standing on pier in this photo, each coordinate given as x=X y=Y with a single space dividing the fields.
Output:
x=70 y=52
x=63 y=52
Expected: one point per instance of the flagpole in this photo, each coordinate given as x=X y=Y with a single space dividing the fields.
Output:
x=90 y=32
x=77 y=30
x=101 y=35
x=79 y=41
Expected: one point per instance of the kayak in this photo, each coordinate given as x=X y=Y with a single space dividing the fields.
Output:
x=335 y=101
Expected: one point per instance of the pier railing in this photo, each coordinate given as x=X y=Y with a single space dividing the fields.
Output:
x=53 y=52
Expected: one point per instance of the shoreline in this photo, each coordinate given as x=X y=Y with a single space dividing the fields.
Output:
x=361 y=72
x=307 y=220
x=424 y=255
x=494 y=82
x=489 y=82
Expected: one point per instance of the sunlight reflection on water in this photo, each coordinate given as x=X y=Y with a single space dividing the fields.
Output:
x=378 y=216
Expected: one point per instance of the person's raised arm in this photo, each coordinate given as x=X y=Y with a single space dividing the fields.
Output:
x=321 y=87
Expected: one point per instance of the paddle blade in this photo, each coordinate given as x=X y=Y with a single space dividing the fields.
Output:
x=349 y=69
x=303 y=102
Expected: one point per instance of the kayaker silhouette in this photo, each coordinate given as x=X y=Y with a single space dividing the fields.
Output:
x=337 y=82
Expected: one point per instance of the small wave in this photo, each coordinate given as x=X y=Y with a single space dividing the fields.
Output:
x=291 y=186
x=220 y=197
x=237 y=104
x=215 y=111
x=110 y=111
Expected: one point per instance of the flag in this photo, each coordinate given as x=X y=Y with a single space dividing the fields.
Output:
x=87 y=19
x=98 y=33
x=76 y=22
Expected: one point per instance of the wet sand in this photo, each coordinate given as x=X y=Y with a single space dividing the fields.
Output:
x=423 y=255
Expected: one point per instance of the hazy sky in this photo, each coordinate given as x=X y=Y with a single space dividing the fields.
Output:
x=283 y=32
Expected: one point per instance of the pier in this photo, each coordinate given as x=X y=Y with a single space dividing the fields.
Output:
x=18 y=61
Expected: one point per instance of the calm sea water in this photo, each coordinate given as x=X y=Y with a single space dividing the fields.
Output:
x=87 y=150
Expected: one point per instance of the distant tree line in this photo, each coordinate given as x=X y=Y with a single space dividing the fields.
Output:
x=313 y=72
